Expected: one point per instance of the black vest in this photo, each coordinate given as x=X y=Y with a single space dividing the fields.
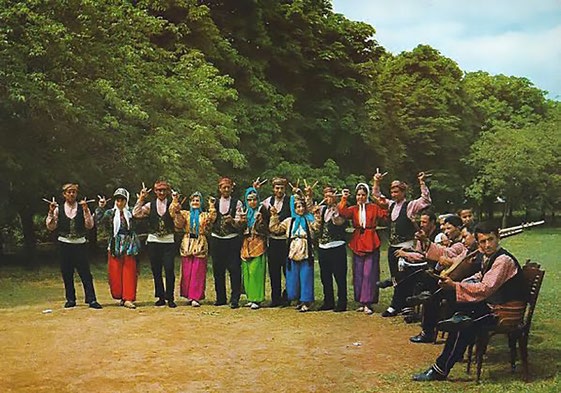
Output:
x=160 y=225
x=285 y=211
x=71 y=228
x=513 y=289
x=329 y=232
x=220 y=227
x=402 y=229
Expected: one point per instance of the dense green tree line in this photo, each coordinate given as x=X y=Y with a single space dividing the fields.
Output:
x=109 y=93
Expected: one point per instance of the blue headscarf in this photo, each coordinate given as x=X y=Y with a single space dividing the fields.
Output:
x=195 y=213
x=250 y=212
x=299 y=220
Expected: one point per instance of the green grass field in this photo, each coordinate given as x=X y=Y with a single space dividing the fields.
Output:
x=42 y=284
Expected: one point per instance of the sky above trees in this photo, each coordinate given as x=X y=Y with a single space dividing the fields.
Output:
x=512 y=37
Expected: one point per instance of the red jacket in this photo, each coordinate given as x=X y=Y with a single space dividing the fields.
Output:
x=364 y=240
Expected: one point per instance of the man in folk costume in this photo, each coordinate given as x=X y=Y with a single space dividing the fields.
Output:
x=123 y=248
x=160 y=243
x=432 y=298
x=478 y=297
x=365 y=244
x=226 y=244
x=71 y=223
x=277 y=252
x=402 y=228
x=416 y=260
x=332 y=252
x=196 y=224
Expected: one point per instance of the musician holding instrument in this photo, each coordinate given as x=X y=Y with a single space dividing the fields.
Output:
x=413 y=262
x=459 y=267
x=500 y=281
x=402 y=228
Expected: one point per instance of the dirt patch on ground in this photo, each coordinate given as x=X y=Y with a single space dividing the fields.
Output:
x=206 y=349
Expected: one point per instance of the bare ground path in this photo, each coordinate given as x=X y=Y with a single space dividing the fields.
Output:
x=209 y=349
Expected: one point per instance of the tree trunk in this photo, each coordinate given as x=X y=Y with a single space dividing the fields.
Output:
x=29 y=238
x=506 y=209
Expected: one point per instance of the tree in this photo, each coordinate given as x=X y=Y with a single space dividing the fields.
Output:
x=89 y=95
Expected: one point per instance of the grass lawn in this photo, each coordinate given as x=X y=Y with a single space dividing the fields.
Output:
x=41 y=287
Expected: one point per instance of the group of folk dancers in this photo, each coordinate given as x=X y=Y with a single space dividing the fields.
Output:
x=245 y=237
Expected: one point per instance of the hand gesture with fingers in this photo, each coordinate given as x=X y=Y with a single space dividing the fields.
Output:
x=102 y=201
x=144 y=192
x=378 y=176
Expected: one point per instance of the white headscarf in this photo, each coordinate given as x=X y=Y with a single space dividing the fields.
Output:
x=117 y=214
x=362 y=207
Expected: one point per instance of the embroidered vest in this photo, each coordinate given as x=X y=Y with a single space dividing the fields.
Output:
x=329 y=232
x=402 y=229
x=220 y=227
x=71 y=228
x=160 y=225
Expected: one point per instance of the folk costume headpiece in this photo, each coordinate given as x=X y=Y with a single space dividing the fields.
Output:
x=225 y=181
x=161 y=184
x=70 y=186
x=279 y=181
x=123 y=193
x=299 y=220
x=194 y=213
x=399 y=184
x=250 y=211
x=365 y=187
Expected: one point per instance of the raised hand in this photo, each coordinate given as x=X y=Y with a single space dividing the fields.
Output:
x=377 y=177
x=144 y=192
x=102 y=201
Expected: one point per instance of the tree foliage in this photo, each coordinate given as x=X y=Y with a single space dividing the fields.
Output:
x=112 y=94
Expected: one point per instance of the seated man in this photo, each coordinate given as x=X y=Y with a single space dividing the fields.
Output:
x=432 y=298
x=499 y=281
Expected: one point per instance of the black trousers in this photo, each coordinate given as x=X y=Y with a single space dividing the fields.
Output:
x=333 y=264
x=277 y=254
x=162 y=255
x=75 y=257
x=399 y=294
x=457 y=342
x=226 y=257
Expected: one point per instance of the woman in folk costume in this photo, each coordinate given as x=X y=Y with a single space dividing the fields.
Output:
x=253 y=249
x=300 y=262
x=365 y=245
x=123 y=248
x=194 y=245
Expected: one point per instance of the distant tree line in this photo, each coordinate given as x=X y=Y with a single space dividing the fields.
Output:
x=108 y=93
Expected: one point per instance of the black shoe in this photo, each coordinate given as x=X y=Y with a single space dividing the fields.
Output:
x=219 y=303
x=234 y=305
x=384 y=284
x=419 y=299
x=274 y=304
x=70 y=304
x=325 y=307
x=160 y=303
x=429 y=375
x=389 y=313
x=422 y=338
x=340 y=308
x=171 y=304
x=95 y=305
x=456 y=323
